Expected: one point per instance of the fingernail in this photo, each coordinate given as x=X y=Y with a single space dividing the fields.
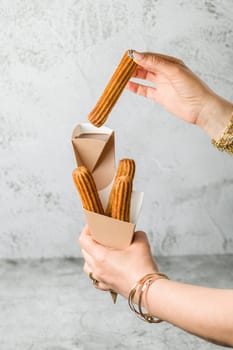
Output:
x=137 y=56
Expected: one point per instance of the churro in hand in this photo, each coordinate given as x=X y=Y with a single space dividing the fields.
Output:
x=112 y=91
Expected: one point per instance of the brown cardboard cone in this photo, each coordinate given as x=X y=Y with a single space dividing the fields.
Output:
x=110 y=232
x=96 y=154
x=114 y=296
x=89 y=150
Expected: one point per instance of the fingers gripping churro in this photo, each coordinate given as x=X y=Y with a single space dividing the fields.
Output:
x=86 y=187
x=122 y=198
x=126 y=167
x=114 y=88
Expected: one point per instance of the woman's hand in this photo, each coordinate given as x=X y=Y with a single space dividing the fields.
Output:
x=117 y=270
x=180 y=91
x=203 y=311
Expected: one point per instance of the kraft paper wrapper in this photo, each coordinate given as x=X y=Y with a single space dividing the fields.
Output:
x=99 y=157
x=108 y=231
x=112 y=232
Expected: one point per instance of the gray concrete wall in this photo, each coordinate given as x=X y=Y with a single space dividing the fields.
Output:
x=55 y=59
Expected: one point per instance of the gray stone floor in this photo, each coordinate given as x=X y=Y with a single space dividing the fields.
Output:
x=52 y=305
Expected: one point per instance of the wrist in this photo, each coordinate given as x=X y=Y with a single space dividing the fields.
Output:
x=215 y=116
x=153 y=300
x=139 y=295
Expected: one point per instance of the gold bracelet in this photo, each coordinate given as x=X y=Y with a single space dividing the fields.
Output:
x=141 y=287
x=225 y=142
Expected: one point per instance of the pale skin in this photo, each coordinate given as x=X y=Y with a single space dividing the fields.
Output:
x=205 y=312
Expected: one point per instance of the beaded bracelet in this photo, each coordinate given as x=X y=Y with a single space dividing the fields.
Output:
x=141 y=287
x=225 y=142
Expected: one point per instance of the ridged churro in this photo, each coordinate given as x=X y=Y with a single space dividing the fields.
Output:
x=126 y=167
x=112 y=91
x=122 y=198
x=86 y=187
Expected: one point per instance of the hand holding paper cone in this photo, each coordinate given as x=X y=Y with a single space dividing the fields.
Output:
x=120 y=196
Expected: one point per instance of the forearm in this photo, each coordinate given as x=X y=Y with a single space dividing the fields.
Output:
x=215 y=116
x=205 y=312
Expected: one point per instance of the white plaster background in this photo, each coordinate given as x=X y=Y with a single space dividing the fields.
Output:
x=55 y=58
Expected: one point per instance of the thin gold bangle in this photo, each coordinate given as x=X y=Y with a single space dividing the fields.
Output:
x=225 y=142
x=141 y=287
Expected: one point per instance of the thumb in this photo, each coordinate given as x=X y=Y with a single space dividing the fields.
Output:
x=155 y=62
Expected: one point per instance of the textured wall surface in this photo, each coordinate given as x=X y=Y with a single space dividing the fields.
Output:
x=55 y=58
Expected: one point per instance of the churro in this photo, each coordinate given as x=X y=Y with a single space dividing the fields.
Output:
x=112 y=91
x=122 y=198
x=126 y=167
x=86 y=187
